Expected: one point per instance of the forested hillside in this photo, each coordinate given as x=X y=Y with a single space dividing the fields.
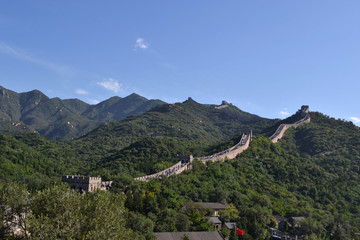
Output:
x=312 y=172
x=187 y=121
x=320 y=184
x=32 y=159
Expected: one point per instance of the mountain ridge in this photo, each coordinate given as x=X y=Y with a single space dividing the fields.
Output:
x=65 y=119
x=312 y=171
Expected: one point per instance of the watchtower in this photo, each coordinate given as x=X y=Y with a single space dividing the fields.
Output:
x=185 y=158
x=88 y=184
x=304 y=110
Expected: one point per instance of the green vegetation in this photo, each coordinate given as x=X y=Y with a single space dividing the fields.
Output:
x=319 y=183
x=57 y=212
x=188 y=121
x=34 y=160
x=313 y=172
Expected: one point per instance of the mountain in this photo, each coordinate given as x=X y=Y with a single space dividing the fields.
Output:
x=189 y=120
x=117 y=108
x=63 y=119
x=312 y=172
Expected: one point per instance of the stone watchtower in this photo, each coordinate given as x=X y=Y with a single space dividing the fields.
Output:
x=186 y=160
x=304 y=110
x=88 y=184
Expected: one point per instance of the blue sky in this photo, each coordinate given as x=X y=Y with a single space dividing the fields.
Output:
x=266 y=57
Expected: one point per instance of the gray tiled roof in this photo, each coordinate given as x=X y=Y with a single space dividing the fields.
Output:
x=191 y=235
x=230 y=225
x=213 y=205
x=214 y=220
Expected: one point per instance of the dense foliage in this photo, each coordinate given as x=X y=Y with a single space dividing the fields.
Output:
x=34 y=160
x=57 y=212
x=312 y=172
x=307 y=173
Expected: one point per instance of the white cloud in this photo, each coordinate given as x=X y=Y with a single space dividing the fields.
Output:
x=355 y=119
x=20 y=54
x=81 y=91
x=93 y=101
x=111 y=85
x=284 y=114
x=141 y=44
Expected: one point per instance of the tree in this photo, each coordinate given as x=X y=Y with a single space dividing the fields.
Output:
x=229 y=214
x=61 y=213
x=15 y=209
x=182 y=222
x=225 y=232
x=185 y=237
x=141 y=225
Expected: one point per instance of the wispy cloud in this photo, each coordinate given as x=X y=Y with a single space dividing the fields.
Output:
x=355 y=119
x=141 y=44
x=111 y=85
x=22 y=55
x=93 y=101
x=284 y=114
x=81 y=91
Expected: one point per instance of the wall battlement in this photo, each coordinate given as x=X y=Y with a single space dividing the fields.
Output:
x=79 y=178
x=83 y=183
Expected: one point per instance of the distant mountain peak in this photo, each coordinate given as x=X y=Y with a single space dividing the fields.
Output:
x=190 y=100
x=50 y=117
x=136 y=96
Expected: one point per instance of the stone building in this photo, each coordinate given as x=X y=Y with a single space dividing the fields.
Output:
x=216 y=207
x=88 y=184
x=304 y=110
x=191 y=235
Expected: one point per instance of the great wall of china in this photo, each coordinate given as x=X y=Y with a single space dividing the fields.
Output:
x=90 y=184
x=231 y=153
x=283 y=127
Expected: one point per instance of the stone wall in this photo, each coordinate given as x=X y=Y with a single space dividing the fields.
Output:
x=283 y=127
x=175 y=169
x=232 y=152
x=185 y=163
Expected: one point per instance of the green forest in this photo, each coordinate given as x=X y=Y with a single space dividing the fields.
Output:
x=312 y=172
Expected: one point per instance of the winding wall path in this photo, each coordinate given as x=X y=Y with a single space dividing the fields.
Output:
x=175 y=169
x=230 y=153
x=283 y=127
x=181 y=166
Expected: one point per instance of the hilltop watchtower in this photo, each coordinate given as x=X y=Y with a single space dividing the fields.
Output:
x=304 y=110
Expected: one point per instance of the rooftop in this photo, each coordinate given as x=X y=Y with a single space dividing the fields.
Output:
x=214 y=220
x=191 y=235
x=230 y=225
x=213 y=205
